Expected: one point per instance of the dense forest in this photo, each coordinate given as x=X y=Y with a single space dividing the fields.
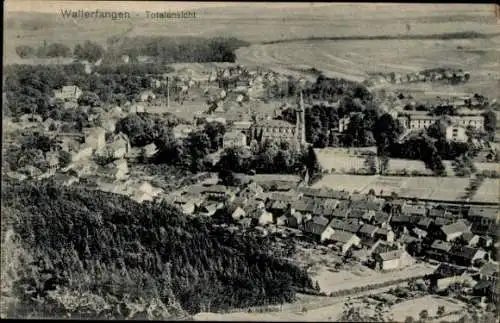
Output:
x=29 y=88
x=89 y=254
x=167 y=50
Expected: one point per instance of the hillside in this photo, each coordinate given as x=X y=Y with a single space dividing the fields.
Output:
x=88 y=254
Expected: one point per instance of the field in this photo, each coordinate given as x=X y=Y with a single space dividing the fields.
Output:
x=430 y=303
x=358 y=277
x=351 y=59
x=488 y=191
x=434 y=188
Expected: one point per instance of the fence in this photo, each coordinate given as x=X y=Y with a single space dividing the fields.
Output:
x=300 y=307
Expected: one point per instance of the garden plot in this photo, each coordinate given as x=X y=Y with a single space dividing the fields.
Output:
x=348 y=183
x=488 y=191
x=430 y=303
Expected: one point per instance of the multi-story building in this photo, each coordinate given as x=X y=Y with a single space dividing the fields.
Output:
x=414 y=121
x=280 y=130
x=456 y=133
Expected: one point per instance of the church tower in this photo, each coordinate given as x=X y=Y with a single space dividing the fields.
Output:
x=300 y=128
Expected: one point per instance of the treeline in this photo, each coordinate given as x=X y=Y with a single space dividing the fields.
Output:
x=188 y=153
x=165 y=49
x=268 y=158
x=29 y=88
x=125 y=257
x=445 y=36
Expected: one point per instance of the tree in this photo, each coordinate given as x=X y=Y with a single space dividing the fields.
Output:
x=57 y=50
x=89 y=99
x=490 y=123
x=25 y=51
x=441 y=310
x=409 y=319
x=423 y=315
x=90 y=51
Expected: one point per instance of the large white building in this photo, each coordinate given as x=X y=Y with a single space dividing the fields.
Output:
x=419 y=121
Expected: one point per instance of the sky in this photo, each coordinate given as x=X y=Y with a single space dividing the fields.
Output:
x=56 y=6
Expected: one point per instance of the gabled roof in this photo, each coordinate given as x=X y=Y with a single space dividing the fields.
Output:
x=349 y=226
x=456 y=227
x=342 y=236
x=356 y=214
x=400 y=219
x=463 y=251
x=425 y=222
x=368 y=229
x=446 y=270
x=441 y=245
x=275 y=124
x=390 y=255
x=380 y=217
x=484 y=212
x=414 y=209
x=489 y=269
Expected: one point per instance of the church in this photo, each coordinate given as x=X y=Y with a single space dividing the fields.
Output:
x=280 y=130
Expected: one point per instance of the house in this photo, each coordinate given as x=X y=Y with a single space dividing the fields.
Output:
x=182 y=131
x=391 y=260
x=327 y=207
x=384 y=234
x=445 y=275
x=261 y=216
x=147 y=96
x=277 y=182
x=414 y=210
x=489 y=271
x=399 y=222
x=282 y=220
x=218 y=193
x=425 y=223
x=439 y=250
x=351 y=226
x=187 y=204
x=381 y=219
x=316 y=225
x=344 y=240
x=208 y=208
x=69 y=93
x=340 y=213
x=452 y=231
x=237 y=213
x=466 y=256
x=419 y=233
x=52 y=159
x=304 y=205
x=251 y=191
x=484 y=216
x=441 y=213
x=487 y=288
x=470 y=239
x=295 y=221
x=396 y=205
x=140 y=197
x=234 y=139
x=367 y=232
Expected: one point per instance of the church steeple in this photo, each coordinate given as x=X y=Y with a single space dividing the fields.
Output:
x=300 y=129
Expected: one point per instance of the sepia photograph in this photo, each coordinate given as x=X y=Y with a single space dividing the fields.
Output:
x=250 y=161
